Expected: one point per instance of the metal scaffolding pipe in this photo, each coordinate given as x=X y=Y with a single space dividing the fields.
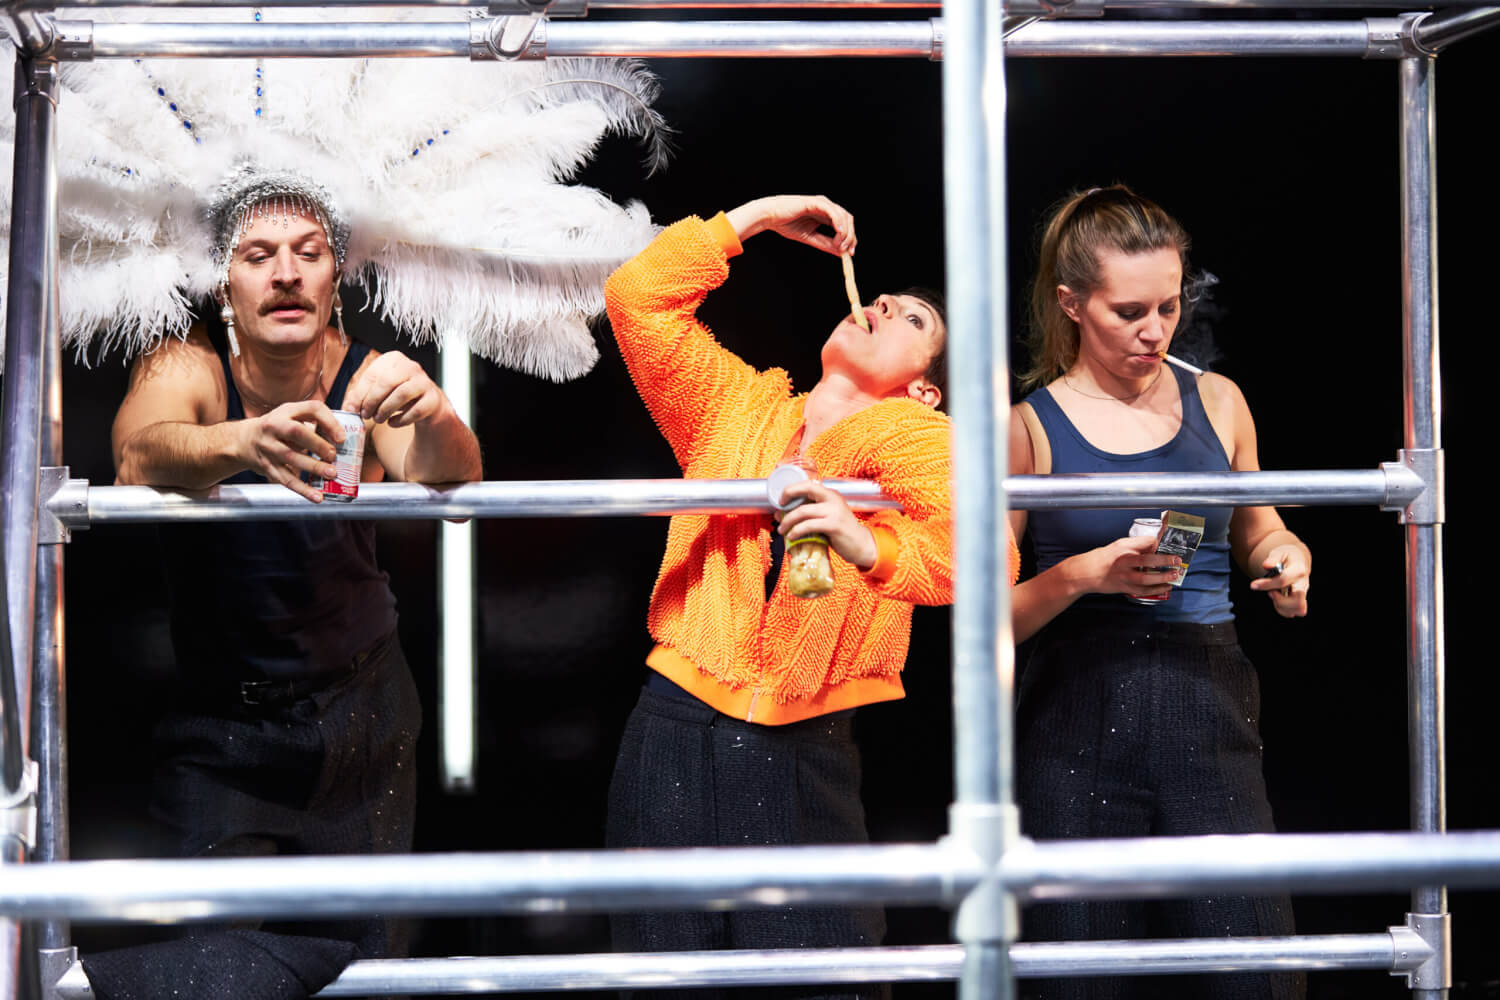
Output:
x=1440 y=30
x=450 y=884
x=983 y=817
x=264 y=40
x=1373 y=38
x=49 y=731
x=719 y=878
x=30 y=304
x=1392 y=486
x=1191 y=38
x=814 y=966
x=1422 y=413
x=1165 y=867
x=78 y=505
x=1060 y=8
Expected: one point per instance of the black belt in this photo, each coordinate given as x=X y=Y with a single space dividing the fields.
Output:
x=270 y=692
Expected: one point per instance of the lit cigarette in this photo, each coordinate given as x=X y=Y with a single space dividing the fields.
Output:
x=1182 y=364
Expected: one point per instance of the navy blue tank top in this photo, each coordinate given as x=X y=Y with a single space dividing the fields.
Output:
x=281 y=600
x=1058 y=534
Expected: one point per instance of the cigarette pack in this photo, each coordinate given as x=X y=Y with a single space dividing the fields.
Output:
x=1179 y=536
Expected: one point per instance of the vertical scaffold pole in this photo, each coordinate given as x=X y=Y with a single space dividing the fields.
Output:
x=32 y=293
x=49 y=726
x=1423 y=520
x=984 y=814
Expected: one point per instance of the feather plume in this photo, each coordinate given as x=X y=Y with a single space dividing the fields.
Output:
x=453 y=174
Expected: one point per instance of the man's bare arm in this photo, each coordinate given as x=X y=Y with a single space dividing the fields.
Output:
x=417 y=434
x=170 y=429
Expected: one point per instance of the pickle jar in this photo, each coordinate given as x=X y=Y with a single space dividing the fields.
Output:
x=808 y=570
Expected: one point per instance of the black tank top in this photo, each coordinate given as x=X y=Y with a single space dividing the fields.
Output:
x=275 y=599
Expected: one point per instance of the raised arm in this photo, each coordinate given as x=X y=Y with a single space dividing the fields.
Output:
x=683 y=374
x=170 y=429
x=416 y=433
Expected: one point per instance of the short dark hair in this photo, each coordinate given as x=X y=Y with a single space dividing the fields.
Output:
x=937 y=367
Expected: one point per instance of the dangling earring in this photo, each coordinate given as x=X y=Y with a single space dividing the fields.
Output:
x=227 y=315
x=338 y=316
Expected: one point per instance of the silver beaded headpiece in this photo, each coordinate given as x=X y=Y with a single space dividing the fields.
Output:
x=251 y=192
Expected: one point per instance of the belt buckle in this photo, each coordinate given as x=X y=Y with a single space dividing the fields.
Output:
x=254 y=692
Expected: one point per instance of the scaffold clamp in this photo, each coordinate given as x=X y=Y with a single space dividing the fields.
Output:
x=989 y=912
x=18 y=809
x=523 y=36
x=1424 y=951
x=1424 y=466
x=58 y=494
x=55 y=963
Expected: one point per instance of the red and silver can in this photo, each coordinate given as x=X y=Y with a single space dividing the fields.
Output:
x=350 y=458
x=1141 y=527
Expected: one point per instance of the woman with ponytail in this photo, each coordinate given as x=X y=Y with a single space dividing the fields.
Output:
x=1137 y=717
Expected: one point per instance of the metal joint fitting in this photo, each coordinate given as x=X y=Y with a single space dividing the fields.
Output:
x=508 y=38
x=32 y=31
x=938 y=34
x=988 y=913
x=1386 y=38
x=18 y=809
x=1411 y=42
x=35 y=77
x=1428 y=937
x=75 y=41
x=60 y=501
x=53 y=965
x=1424 y=465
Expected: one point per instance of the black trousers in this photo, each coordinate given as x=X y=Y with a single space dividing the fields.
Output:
x=1126 y=729
x=687 y=776
x=329 y=772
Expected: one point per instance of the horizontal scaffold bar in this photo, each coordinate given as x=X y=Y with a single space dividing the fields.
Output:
x=809 y=966
x=78 y=505
x=920 y=38
x=719 y=878
x=1057 y=8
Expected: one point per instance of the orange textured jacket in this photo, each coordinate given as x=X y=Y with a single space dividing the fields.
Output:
x=788 y=658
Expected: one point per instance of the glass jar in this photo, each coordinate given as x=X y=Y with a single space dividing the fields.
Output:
x=809 y=573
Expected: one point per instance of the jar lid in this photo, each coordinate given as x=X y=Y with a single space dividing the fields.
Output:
x=781 y=478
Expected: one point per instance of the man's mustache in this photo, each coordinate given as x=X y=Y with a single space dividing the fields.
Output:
x=286 y=302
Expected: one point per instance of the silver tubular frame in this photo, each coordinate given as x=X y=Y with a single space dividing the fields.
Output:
x=1050 y=8
x=1370 y=38
x=77 y=505
x=1424 y=523
x=983 y=818
x=983 y=866
x=30 y=309
x=927 y=963
x=199 y=889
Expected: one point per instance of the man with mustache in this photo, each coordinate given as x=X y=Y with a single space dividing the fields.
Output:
x=298 y=717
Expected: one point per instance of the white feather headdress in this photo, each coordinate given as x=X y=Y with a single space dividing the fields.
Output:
x=453 y=176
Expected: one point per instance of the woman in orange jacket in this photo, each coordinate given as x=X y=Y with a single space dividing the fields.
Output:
x=742 y=734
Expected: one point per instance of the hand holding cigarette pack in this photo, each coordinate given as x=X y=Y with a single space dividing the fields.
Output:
x=1179 y=536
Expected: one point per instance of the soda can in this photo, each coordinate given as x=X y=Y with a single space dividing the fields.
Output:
x=350 y=458
x=1140 y=527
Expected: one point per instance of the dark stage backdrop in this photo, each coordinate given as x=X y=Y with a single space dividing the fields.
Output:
x=1286 y=174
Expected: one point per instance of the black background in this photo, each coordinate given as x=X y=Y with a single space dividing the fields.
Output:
x=1285 y=172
